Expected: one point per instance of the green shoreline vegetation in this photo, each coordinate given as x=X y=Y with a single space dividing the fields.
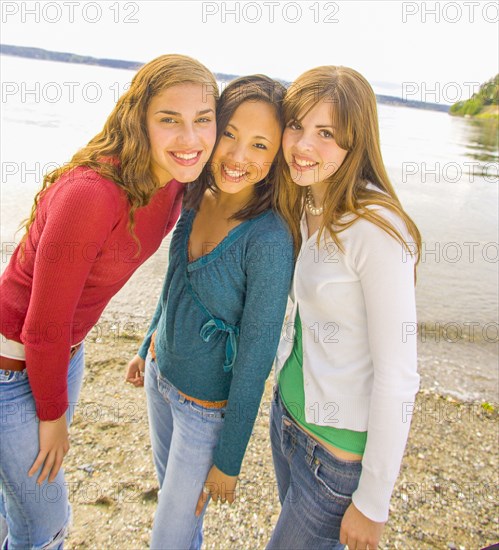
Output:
x=483 y=104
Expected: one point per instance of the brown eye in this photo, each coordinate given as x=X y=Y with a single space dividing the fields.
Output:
x=326 y=134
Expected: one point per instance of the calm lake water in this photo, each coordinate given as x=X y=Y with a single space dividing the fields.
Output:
x=443 y=168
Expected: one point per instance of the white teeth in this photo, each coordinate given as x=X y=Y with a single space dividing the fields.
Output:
x=185 y=156
x=234 y=173
x=304 y=162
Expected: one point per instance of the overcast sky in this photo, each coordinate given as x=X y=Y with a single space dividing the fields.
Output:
x=421 y=50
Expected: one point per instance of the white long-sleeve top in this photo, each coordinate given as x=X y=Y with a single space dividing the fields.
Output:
x=358 y=315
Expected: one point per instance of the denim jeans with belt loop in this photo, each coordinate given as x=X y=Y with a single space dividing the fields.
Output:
x=37 y=516
x=315 y=487
x=184 y=435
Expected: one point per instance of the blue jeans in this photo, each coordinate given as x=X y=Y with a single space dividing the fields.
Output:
x=183 y=437
x=37 y=516
x=315 y=487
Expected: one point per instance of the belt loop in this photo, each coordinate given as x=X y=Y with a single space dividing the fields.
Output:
x=181 y=398
x=311 y=444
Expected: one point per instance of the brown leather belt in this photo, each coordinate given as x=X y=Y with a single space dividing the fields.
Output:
x=6 y=363
x=206 y=404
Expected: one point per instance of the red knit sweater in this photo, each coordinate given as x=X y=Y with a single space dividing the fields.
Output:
x=78 y=255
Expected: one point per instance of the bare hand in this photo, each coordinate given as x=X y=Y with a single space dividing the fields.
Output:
x=359 y=532
x=219 y=486
x=54 y=445
x=135 y=371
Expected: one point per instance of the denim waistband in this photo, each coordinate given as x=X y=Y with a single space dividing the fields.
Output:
x=175 y=393
x=309 y=444
x=12 y=375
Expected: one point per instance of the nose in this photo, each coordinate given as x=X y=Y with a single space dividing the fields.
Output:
x=187 y=136
x=303 y=143
x=237 y=154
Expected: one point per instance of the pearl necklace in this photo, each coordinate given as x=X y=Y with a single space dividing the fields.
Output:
x=309 y=204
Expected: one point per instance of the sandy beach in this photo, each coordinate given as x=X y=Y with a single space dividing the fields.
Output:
x=445 y=497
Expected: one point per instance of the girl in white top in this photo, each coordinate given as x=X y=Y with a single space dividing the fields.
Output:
x=337 y=445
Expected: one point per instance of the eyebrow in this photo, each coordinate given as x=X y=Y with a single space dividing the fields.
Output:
x=254 y=137
x=174 y=113
x=317 y=125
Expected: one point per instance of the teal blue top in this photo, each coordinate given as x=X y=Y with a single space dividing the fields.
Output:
x=293 y=396
x=218 y=322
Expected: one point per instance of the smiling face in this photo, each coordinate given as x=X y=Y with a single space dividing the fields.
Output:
x=309 y=147
x=182 y=131
x=247 y=148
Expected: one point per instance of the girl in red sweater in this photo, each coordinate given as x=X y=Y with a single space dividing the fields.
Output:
x=94 y=222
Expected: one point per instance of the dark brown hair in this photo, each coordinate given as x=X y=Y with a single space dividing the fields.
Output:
x=247 y=88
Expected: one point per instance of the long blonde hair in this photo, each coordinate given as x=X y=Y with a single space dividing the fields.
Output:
x=121 y=151
x=355 y=119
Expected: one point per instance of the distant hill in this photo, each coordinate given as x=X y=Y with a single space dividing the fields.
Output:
x=38 y=53
x=483 y=104
x=64 y=57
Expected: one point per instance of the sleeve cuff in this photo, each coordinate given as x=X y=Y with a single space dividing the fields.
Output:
x=372 y=496
x=144 y=348
x=53 y=409
x=227 y=466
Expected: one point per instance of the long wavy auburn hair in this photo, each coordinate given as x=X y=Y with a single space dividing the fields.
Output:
x=348 y=197
x=121 y=152
x=252 y=88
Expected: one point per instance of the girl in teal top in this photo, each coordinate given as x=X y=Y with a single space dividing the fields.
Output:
x=219 y=316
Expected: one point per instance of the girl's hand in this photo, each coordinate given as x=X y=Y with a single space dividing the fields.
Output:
x=219 y=486
x=54 y=445
x=358 y=531
x=135 y=371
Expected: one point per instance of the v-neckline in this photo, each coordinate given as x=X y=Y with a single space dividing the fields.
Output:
x=231 y=236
